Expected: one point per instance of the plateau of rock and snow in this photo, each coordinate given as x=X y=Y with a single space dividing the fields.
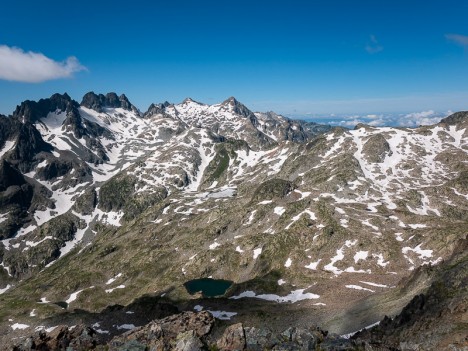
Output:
x=101 y=204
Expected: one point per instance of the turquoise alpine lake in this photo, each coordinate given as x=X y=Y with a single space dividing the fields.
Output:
x=207 y=286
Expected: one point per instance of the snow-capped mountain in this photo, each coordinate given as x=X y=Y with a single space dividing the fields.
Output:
x=59 y=150
x=290 y=211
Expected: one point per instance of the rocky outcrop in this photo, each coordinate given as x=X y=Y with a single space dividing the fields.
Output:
x=90 y=131
x=197 y=331
x=9 y=176
x=32 y=111
x=456 y=118
x=8 y=129
x=188 y=331
x=98 y=102
x=18 y=197
x=87 y=202
x=233 y=338
x=271 y=189
x=182 y=332
x=28 y=144
x=376 y=149
x=156 y=109
x=238 y=108
x=43 y=248
x=283 y=128
x=79 y=338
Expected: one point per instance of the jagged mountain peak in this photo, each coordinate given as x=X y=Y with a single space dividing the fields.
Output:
x=237 y=107
x=233 y=102
x=31 y=111
x=98 y=102
x=190 y=100
x=155 y=109
x=230 y=101
x=58 y=97
x=124 y=102
x=271 y=115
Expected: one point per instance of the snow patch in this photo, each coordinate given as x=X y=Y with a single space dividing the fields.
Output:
x=358 y=287
x=313 y=265
x=73 y=296
x=111 y=280
x=108 y=291
x=338 y=257
x=4 y=290
x=227 y=192
x=19 y=326
x=360 y=255
x=294 y=296
x=422 y=253
x=279 y=210
x=417 y=226
x=257 y=252
x=126 y=327
x=214 y=245
x=380 y=260
x=251 y=218
x=7 y=147
x=222 y=315
x=347 y=336
x=374 y=284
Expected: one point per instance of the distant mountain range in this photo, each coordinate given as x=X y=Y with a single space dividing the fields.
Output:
x=103 y=206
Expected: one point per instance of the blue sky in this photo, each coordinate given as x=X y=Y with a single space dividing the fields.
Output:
x=299 y=58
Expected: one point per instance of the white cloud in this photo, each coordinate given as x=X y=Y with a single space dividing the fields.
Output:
x=372 y=120
x=414 y=119
x=459 y=39
x=422 y=118
x=353 y=122
x=33 y=67
x=349 y=123
x=373 y=46
x=377 y=122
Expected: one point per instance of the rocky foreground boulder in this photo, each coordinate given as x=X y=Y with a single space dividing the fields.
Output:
x=188 y=331
x=79 y=338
